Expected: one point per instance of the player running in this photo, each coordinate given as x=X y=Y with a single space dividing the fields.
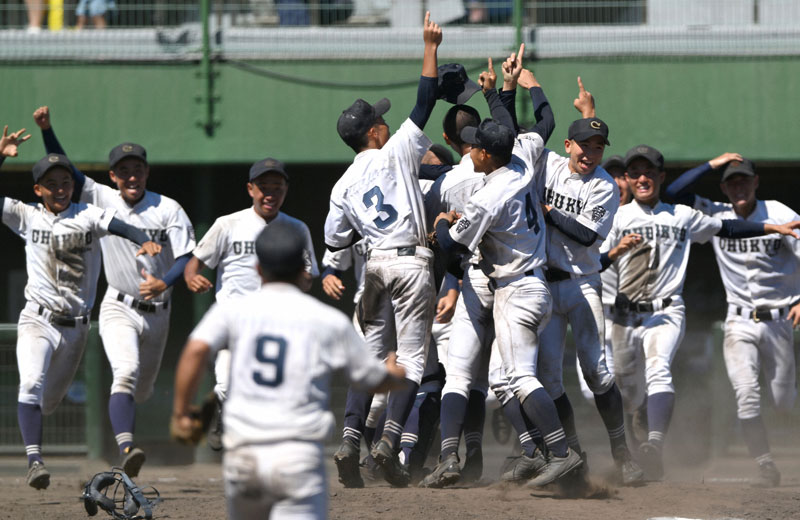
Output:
x=63 y=263
x=762 y=285
x=284 y=346
x=134 y=314
x=650 y=315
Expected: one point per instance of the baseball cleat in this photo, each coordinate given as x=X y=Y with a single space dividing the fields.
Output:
x=768 y=476
x=394 y=472
x=132 y=461
x=650 y=458
x=473 y=467
x=630 y=472
x=346 y=459
x=38 y=476
x=445 y=473
x=214 y=436
x=525 y=468
x=556 y=468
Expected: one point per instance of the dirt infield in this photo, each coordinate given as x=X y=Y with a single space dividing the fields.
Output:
x=717 y=490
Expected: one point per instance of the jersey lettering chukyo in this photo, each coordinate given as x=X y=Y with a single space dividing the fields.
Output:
x=562 y=202
x=769 y=246
x=659 y=232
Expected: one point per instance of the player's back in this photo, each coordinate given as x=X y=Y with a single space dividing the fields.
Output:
x=284 y=346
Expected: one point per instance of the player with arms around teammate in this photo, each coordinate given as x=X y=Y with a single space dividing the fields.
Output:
x=762 y=285
x=650 y=315
x=63 y=263
x=284 y=346
x=229 y=246
x=134 y=314
x=379 y=198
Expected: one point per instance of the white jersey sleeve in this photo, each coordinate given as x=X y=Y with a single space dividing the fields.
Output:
x=470 y=228
x=339 y=230
x=180 y=232
x=702 y=227
x=213 y=328
x=16 y=215
x=213 y=245
x=600 y=207
x=309 y=257
x=529 y=147
x=340 y=260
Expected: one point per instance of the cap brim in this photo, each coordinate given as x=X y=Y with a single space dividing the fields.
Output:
x=587 y=135
x=737 y=171
x=381 y=107
x=469 y=134
x=282 y=173
x=125 y=156
x=470 y=88
x=629 y=160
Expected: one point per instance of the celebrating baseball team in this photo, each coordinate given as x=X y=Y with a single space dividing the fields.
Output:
x=468 y=273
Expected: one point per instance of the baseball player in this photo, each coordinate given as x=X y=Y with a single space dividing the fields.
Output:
x=63 y=263
x=284 y=346
x=499 y=214
x=649 y=322
x=379 y=198
x=134 y=314
x=229 y=246
x=762 y=288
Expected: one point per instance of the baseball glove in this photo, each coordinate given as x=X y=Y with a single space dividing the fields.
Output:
x=187 y=429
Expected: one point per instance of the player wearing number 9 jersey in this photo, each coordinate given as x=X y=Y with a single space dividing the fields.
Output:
x=379 y=198
x=284 y=346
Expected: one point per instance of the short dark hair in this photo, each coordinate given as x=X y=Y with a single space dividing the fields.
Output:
x=280 y=249
x=359 y=143
x=458 y=118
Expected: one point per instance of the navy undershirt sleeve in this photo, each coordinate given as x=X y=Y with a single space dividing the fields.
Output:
x=509 y=100
x=51 y=145
x=605 y=261
x=678 y=190
x=498 y=110
x=431 y=172
x=741 y=229
x=545 y=121
x=570 y=227
x=120 y=228
x=446 y=242
x=176 y=271
x=330 y=270
x=426 y=99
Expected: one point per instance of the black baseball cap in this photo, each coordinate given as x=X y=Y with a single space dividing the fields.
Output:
x=489 y=135
x=268 y=165
x=280 y=249
x=121 y=151
x=442 y=153
x=48 y=162
x=583 y=129
x=454 y=86
x=645 y=152
x=615 y=161
x=359 y=117
x=745 y=167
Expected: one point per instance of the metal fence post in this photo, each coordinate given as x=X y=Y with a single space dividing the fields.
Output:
x=93 y=373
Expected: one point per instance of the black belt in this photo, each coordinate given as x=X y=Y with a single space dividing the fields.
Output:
x=64 y=321
x=556 y=275
x=401 y=251
x=493 y=282
x=759 y=314
x=641 y=306
x=141 y=305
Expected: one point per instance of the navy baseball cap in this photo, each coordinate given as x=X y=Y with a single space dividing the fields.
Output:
x=268 y=165
x=280 y=249
x=645 y=152
x=615 y=161
x=48 y=162
x=583 y=129
x=453 y=85
x=359 y=117
x=491 y=136
x=745 y=167
x=124 y=150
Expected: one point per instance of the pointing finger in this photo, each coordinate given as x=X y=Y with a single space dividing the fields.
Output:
x=521 y=53
x=491 y=68
x=580 y=85
x=427 y=18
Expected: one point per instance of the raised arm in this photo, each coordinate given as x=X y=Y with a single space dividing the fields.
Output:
x=41 y=117
x=152 y=286
x=745 y=229
x=508 y=95
x=545 y=121
x=584 y=103
x=426 y=92
x=487 y=80
x=135 y=235
x=678 y=190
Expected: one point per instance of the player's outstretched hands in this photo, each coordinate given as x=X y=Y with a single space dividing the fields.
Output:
x=446 y=306
x=9 y=143
x=584 y=103
x=198 y=284
x=431 y=32
x=488 y=78
x=149 y=248
x=627 y=243
x=333 y=287
x=151 y=286
x=450 y=217
x=794 y=315
x=512 y=68
x=527 y=79
x=724 y=159
x=42 y=117
x=787 y=229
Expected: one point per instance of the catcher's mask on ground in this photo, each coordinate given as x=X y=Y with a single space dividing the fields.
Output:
x=115 y=493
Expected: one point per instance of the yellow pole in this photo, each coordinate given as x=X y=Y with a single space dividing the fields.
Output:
x=55 y=15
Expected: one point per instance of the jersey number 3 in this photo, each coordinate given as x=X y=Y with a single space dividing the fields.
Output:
x=374 y=197
x=530 y=214
x=271 y=353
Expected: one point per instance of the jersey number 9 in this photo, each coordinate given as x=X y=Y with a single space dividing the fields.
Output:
x=271 y=353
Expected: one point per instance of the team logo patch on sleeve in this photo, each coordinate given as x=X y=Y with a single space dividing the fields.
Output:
x=597 y=213
x=462 y=225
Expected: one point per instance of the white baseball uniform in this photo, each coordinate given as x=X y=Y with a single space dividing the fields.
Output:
x=762 y=280
x=648 y=332
x=284 y=346
x=379 y=198
x=62 y=257
x=573 y=271
x=229 y=247
x=134 y=331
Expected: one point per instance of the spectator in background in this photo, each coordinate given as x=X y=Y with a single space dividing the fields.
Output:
x=96 y=9
x=35 y=14
x=488 y=11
